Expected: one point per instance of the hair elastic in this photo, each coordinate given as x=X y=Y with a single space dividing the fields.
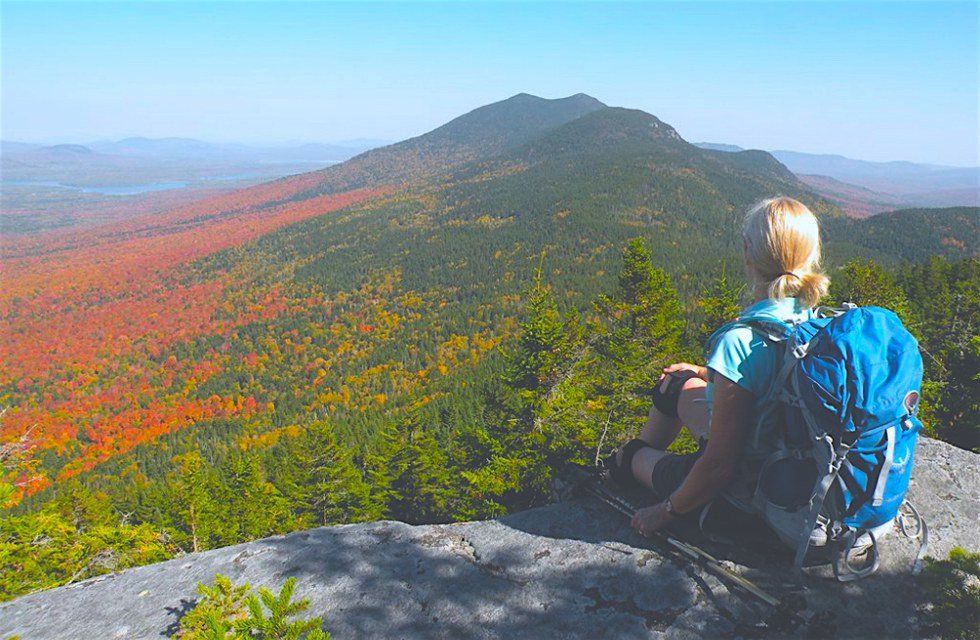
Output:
x=790 y=273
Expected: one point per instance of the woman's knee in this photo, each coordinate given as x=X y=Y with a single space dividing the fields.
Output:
x=669 y=389
x=661 y=429
x=692 y=407
x=694 y=385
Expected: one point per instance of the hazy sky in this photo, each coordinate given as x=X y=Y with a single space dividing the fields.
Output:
x=880 y=80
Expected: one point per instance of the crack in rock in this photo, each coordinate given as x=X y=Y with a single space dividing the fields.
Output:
x=654 y=619
x=462 y=547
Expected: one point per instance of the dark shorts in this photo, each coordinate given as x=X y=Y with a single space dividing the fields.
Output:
x=719 y=515
x=669 y=473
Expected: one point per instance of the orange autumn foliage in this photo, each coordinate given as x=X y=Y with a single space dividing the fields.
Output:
x=89 y=317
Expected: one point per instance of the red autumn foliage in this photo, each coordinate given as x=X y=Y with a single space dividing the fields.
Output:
x=88 y=316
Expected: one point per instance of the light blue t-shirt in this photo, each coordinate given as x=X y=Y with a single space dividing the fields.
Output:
x=747 y=358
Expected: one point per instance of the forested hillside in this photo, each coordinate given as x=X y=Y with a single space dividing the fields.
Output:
x=418 y=333
x=910 y=234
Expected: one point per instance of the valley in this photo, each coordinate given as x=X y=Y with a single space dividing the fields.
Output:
x=66 y=185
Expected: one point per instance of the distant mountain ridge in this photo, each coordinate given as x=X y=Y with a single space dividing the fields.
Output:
x=189 y=149
x=197 y=149
x=69 y=149
x=524 y=128
x=858 y=202
x=605 y=127
x=564 y=176
x=502 y=125
x=611 y=170
x=68 y=185
x=639 y=154
x=903 y=182
x=717 y=146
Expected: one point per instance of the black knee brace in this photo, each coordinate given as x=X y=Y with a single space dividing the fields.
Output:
x=666 y=401
x=621 y=471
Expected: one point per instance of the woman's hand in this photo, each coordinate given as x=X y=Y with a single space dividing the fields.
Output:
x=648 y=520
x=699 y=371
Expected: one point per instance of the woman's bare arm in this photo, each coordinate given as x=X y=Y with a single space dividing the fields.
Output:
x=730 y=419
x=699 y=371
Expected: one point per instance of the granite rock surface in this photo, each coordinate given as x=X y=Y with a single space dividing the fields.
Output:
x=568 y=570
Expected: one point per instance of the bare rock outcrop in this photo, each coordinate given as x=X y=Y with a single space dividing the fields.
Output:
x=567 y=570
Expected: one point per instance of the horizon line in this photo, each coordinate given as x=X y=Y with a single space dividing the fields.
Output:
x=379 y=142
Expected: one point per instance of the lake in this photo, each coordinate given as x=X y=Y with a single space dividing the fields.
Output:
x=108 y=190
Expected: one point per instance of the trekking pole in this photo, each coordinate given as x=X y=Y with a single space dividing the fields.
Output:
x=702 y=557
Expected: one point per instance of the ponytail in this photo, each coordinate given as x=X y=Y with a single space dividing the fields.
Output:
x=782 y=250
x=808 y=288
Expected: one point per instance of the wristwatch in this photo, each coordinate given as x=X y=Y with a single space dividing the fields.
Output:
x=670 y=508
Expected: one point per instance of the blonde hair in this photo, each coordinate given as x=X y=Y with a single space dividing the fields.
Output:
x=782 y=250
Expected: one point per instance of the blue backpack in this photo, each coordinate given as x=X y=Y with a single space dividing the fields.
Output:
x=829 y=460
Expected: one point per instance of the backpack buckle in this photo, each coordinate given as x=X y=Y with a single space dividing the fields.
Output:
x=800 y=350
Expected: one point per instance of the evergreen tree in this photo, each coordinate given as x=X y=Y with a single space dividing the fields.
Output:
x=535 y=364
x=423 y=482
x=945 y=297
x=227 y=611
x=952 y=591
x=74 y=538
x=718 y=303
x=82 y=507
x=380 y=472
x=192 y=487
x=869 y=284
x=642 y=331
x=318 y=478
x=334 y=491
x=250 y=507
x=510 y=454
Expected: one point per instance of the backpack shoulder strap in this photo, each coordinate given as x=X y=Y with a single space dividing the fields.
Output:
x=767 y=327
x=717 y=333
x=825 y=311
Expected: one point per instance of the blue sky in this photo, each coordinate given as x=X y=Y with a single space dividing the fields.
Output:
x=878 y=80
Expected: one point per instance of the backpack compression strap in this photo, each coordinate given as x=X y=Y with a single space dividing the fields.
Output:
x=918 y=531
x=910 y=524
x=843 y=570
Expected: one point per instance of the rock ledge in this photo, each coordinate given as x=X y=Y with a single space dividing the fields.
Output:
x=572 y=569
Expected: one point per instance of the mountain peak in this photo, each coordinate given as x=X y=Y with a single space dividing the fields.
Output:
x=584 y=97
x=508 y=123
x=581 y=98
x=524 y=97
x=481 y=134
x=638 y=122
